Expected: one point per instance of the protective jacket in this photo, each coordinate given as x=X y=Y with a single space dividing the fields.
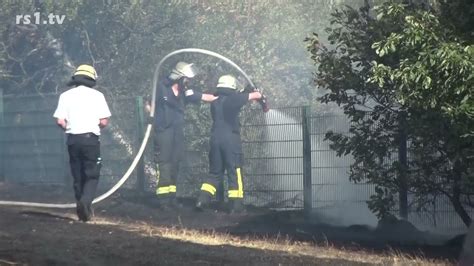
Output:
x=169 y=133
x=169 y=107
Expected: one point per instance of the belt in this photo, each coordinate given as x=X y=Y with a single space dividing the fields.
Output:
x=84 y=135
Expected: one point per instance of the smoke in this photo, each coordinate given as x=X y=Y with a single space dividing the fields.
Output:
x=334 y=198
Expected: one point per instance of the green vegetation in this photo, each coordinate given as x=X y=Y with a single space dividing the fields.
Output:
x=409 y=63
x=126 y=39
x=415 y=76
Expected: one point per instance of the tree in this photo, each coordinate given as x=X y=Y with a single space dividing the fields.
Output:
x=125 y=40
x=436 y=70
x=343 y=69
x=434 y=78
x=356 y=70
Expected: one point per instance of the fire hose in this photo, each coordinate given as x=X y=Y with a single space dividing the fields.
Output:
x=149 y=126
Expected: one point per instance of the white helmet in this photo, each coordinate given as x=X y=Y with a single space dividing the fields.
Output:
x=183 y=69
x=227 y=81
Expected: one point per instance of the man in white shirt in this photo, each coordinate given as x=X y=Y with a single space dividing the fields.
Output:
x=81 y=112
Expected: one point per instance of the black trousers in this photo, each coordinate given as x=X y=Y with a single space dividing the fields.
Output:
x=225 y=155
x=85 y=163
x=169 y=153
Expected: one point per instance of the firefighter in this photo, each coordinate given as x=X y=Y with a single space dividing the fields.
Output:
x=81 y=112
x=172 y=96
x=225 y=153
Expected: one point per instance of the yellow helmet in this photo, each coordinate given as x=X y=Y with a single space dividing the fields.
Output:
x=86 y=70
x=227 y=81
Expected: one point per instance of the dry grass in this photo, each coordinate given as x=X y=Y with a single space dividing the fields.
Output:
x=272 y=243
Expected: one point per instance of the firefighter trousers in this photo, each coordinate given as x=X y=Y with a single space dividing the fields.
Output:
x=169 y=153
x=225 y=156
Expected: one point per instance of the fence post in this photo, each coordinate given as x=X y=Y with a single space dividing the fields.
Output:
x=2 y=172
x=140 y=132
x=1 y=107
x=402 y=159
x=65 y=161
x=307 y=180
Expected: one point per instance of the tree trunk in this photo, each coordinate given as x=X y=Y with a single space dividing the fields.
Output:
x=456 y=198
x=402 y=159
x=467 y=255
x=460 y=210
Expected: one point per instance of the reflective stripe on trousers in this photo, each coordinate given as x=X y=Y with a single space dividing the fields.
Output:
x=239 y=192
x=166 y=190
x=209 y=188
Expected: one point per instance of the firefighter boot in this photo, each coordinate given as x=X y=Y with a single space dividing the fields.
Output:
x=173 y=202
x=163 y=202
x=203 y=201
x=236 y=206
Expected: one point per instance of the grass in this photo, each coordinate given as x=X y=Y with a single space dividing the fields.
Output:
x=278 y=243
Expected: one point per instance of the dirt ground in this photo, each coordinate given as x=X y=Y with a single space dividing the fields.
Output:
x=129 y=229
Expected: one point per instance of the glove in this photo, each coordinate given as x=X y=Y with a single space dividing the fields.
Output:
x=263 y=102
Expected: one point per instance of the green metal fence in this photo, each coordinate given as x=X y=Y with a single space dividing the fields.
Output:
x=32 y=145
x=287 y=165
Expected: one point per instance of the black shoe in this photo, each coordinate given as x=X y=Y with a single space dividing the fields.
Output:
x=81 y=211
x=89 y=212
x=84 y=211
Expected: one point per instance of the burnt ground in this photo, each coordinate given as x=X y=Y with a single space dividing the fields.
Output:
x=34 y=236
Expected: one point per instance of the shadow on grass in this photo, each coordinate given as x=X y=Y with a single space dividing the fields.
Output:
x=387 y=240
x=128 y=205
x=264 y=223
x=46 y=214
x=104 y=244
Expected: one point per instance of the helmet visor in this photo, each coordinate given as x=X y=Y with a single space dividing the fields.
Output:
x=189 y=71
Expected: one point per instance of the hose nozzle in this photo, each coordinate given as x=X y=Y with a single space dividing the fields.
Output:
x=263 y=102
